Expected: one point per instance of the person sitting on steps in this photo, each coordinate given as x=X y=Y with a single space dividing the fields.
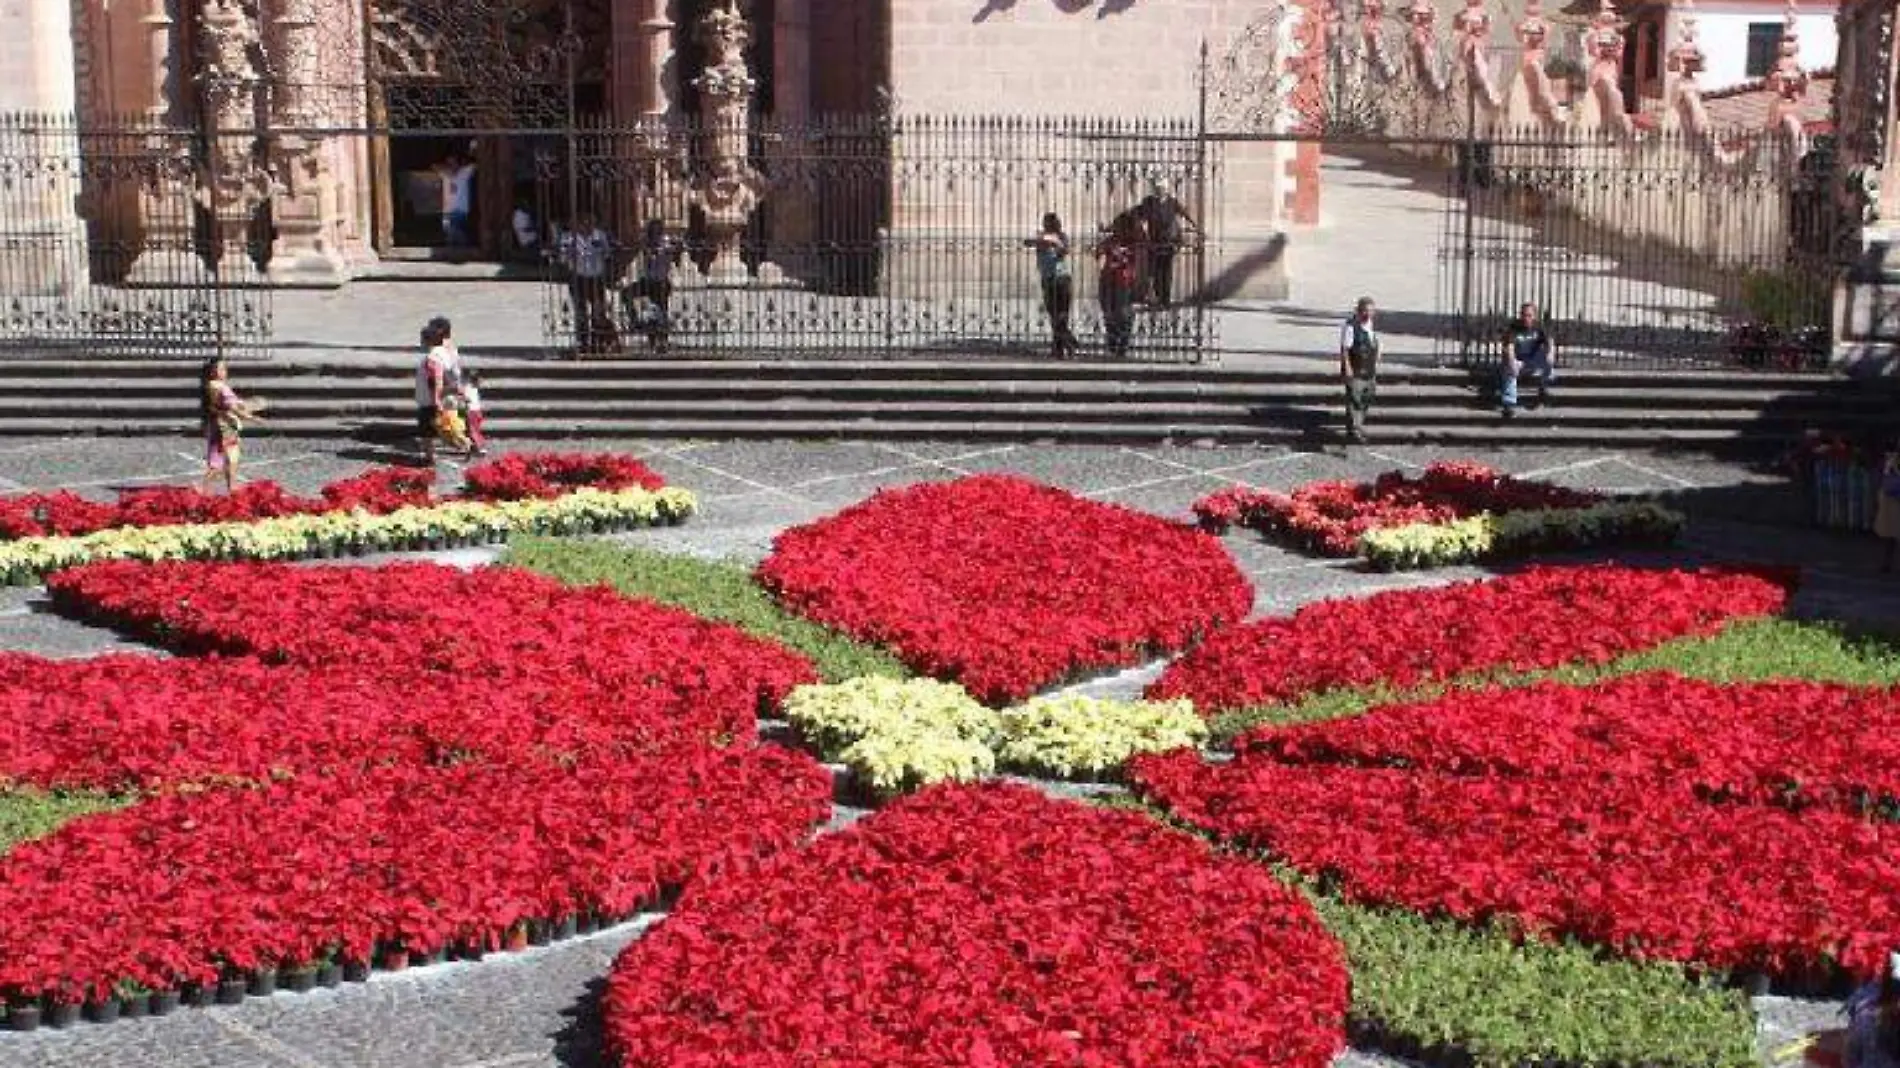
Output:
x=1528 y=350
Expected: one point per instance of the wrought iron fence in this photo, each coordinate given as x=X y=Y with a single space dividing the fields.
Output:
x=869 y=235
x=1673 y=254
x=112 y=245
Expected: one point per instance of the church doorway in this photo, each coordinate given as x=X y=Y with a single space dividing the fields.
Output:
x=476 y=106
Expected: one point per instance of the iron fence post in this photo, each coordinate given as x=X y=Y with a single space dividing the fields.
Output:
x=1467 y=179
x=1201 y=213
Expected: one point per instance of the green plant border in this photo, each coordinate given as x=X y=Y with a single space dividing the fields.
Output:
x=716 y=590
x=1750 y=650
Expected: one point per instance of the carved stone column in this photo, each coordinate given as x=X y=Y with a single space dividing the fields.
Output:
x=233 y=186
x=45 y=250
x=164 y=247
x=655 y=98
x=729 y=189
x=303 y=252
x=1867 y=297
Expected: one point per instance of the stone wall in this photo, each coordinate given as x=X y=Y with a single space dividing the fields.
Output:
x=1104 y=59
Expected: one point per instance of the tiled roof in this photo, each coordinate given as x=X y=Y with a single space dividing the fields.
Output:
x=1747 y=106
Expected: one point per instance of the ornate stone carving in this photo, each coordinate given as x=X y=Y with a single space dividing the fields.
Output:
x=302 y=183
x=1686 y=60
x=1786 y=79
x=1533 y=32
x=1248 y=87
x=729 y=189
x=1862 y=95
x=235 y=185
x=1422 y=16
x=1603 y=42
x=1474 y=28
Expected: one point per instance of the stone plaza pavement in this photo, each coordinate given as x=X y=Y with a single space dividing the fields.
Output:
x=538 y=1009
x=1383 y=224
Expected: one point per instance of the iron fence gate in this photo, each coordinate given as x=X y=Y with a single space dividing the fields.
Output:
x=872 y=235
x=114 y=243
x=1659 y=255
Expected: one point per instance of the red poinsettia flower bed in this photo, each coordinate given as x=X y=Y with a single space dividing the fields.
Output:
x=138 y=722
x=1664 y=818
x=189 y=889
x=379 y=491
x=1540 y=618
x=409 y=756
x=986 y=926
x=1330 y=517
x=1004 y=585
x=589 y=654
x=522 y=476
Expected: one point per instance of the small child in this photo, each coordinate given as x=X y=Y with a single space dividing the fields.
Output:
x=472 y=410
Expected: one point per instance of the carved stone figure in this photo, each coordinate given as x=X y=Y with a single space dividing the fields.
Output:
x=1534 y=33
x=730 y=189
x=1604 y=43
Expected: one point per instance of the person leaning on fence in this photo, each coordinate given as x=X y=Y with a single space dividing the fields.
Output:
x=659 y=254
x=1058 y=283
x=1120 y=256
x=587 y=253
x=1168 y=223
x=1359 y=365
x=1528 y=351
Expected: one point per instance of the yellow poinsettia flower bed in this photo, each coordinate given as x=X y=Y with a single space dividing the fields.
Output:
x=896 y=735
x=300 y=536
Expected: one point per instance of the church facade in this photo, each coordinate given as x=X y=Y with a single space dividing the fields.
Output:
x=317 y=138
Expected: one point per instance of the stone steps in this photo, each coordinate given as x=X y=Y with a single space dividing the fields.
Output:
x=987 y=400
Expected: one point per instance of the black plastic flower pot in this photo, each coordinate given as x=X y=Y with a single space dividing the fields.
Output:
x=23 y=1016
x=301 y=981
x=429 y=959
x=355 y=971
x=103 y=1012
x=588 y=923
x=263 y=983
x=201 y=995
x=165 y=1002
x=471 y=951
x=59 y=1014
x=231 y=991
x=329 y=975
x=538 y=933
x=135 y=1006
x=568 y=927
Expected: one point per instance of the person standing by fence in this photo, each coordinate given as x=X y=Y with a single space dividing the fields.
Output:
x=1058 y=283
x=659 y=254
x=1168 y=224
x=1120 y=256
x=587 y=252
x=458 y=200
x=1359 y=365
